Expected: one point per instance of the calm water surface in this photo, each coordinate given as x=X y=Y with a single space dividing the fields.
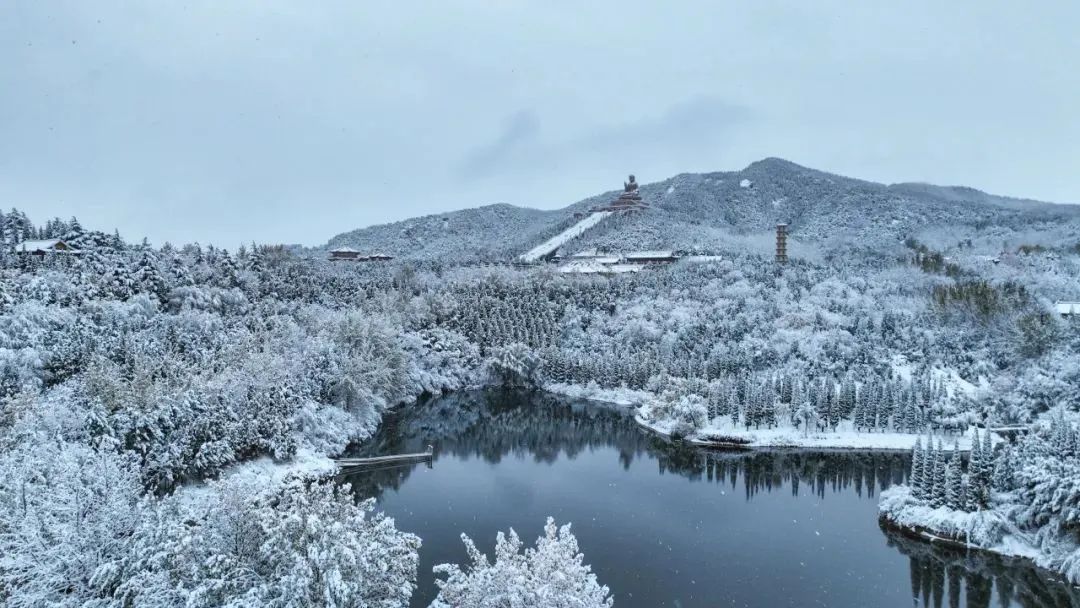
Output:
x=664 y=525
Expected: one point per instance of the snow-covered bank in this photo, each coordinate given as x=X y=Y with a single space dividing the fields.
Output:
x=988 y=530
x=983 y=529
x=616 y=396
x=721 y=434
x=1021 y=499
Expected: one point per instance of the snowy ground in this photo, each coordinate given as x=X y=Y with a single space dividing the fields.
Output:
x=592 y=392
x=722 y=432
x=265 y=473
x=550 y=245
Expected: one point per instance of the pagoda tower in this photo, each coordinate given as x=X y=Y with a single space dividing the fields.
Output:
x=781 y=243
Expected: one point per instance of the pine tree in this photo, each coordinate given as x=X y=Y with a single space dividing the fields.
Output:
x=148 y=277
x=987 y=457
x=937 y=497
x=786 y=390
x=916 y=480
x=5 y=299
x=954 y=493
x=255 y=260
x=910 y=422
x=847 y=398
x=119 y=281
x=1003 y=470
x=226 y=271
x=929 y=465
x=75 y=233
x=768 y=413
x=980 y=472
x=975 y=459
x=881 y=413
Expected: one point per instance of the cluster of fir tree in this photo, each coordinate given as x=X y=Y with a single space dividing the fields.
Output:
x=938 y=477
x=875 y=403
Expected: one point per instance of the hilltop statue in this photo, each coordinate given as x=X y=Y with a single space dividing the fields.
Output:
x=628 y=199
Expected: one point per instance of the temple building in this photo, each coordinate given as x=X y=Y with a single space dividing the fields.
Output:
x=348 y=254
x=45 y=247
x=344 y=254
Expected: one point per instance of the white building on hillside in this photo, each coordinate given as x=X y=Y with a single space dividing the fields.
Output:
x=1066 y=309
x=45 y=247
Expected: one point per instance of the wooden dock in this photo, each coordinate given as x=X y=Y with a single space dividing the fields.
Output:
x=377 y=460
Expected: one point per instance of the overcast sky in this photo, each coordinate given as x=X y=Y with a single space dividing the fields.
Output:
x=230 y=122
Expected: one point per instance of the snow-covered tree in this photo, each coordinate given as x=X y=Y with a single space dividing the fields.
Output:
x=916 y=479
x=550 y=575
x=954 y=483
x=806 y=416
x=514 y=365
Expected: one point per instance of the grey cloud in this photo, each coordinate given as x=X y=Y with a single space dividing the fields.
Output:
x=517 y=136
x=687 y=127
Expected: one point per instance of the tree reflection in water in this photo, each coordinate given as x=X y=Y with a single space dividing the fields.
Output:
x=493 y=424
x=949 y=576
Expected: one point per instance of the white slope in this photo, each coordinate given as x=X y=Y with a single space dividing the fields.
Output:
x=549 y=246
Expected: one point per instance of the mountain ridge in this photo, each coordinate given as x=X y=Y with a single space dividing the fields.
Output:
x=701 y=211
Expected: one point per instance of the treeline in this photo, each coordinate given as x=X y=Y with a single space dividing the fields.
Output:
x=870 y=404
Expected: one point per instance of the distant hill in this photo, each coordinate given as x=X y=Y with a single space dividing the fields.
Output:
x=489 y=232
x=711 y=211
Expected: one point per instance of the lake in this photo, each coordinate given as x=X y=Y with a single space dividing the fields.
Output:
x=664 y=524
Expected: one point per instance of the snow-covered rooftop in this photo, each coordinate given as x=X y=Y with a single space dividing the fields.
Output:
x=42 y=245
x=344 y=250
x=1067 y=308
x=633 y=255
x=32 y=245
x=595 y=267
x=586 y=253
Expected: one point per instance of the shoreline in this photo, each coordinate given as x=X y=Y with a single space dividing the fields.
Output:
x=933 y=537
x=815 y=442
x=733 y=438
x=927 y=536
x=900 y=512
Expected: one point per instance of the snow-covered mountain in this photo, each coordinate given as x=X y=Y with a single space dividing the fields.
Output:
x=713 y=211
